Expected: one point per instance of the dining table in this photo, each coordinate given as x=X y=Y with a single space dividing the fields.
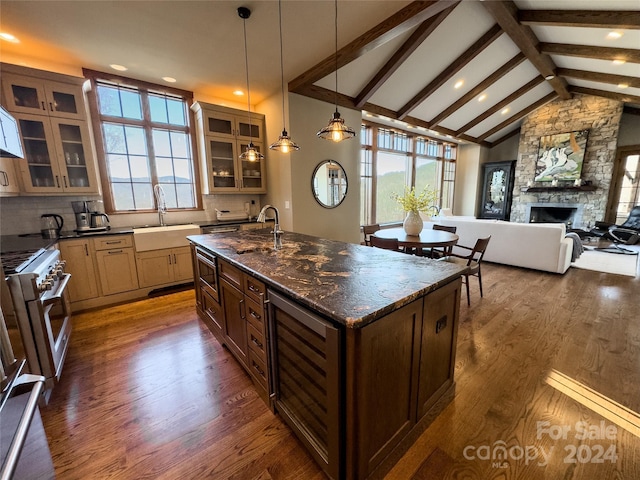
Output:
x=428 y=238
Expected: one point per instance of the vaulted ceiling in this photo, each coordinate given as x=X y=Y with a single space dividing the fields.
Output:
x=397 y=60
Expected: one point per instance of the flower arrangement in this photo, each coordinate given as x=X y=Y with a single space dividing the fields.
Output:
x=412 y=202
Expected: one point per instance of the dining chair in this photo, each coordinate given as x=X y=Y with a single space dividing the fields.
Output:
x=368 y=230
x=439 y=252
x=386 y=243
x=473 y=260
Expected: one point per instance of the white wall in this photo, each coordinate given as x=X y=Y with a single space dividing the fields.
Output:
x=470 y=157
x=340 y=223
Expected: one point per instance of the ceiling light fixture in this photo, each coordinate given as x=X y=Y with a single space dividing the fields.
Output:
x=549 y=77
x=284 y=143
x=482 y=97
x=9 y=38
x=504 y=111
x=120 y=68
x=169 y=79
x=623 y=85
x=458 y=84
x=619 y=61
x=336 y=130
x=613 y=35
x=251 y=153
x=238 y=93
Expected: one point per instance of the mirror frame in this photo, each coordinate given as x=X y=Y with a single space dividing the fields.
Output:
x=313 y=187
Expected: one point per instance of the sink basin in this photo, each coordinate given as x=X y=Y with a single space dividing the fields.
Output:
x=168 y=236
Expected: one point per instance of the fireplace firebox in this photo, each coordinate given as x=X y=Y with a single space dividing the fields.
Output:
x=568 y=213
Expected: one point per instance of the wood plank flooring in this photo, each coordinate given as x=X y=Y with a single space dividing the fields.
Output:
x=147 y=392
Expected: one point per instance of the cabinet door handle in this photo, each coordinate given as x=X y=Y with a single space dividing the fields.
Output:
x=253 y=288
x=256 y=342
x=43 y=106
x=5 y=182
x=58 y=181
x=86 y=250
x=113 y=242
x=253 y=313
x=64 y=178
x=114 y=251
x=257 y=368
x=242 y=316
x=174 y=259
x=169 y=258
x=51 y=106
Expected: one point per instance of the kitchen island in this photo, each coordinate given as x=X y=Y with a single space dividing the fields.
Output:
x=353 y=346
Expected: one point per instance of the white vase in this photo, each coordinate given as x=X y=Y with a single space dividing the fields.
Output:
x=413 y=223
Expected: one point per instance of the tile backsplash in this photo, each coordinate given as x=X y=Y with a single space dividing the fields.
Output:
x=19 y=215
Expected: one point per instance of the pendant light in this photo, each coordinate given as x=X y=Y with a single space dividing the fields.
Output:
x=336 y=130
x=250 y=154
x=284 y=143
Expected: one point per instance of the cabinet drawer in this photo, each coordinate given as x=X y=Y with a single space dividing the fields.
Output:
x=231 y=274
x=258 y=368
x=254 y=289
x=113 y=241
x=257 y=342
x=255 y=314
x=213 y=310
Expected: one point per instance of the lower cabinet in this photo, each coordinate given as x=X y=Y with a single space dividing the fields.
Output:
x=235 y=320
x=79 y=254
x=9 y=185
x=116 y=261
x=165 y=266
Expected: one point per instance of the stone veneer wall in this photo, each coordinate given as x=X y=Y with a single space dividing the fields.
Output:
x=602 y=117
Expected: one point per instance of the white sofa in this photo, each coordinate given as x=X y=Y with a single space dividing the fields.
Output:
x=540 y=246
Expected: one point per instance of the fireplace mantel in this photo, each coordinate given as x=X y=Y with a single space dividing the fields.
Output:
x=582 y=188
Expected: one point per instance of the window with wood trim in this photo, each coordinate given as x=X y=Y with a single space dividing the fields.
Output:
x=144 y=138
x=392 y=159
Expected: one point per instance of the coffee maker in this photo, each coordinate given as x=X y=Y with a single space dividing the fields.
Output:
x=98 y=219
x=83 y=216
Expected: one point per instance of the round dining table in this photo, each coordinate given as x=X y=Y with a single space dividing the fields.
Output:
x=428 y=237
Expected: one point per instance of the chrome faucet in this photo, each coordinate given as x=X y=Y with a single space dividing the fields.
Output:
x=161 y=201
x=277 y=233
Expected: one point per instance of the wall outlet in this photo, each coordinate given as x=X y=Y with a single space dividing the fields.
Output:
x=286 y=204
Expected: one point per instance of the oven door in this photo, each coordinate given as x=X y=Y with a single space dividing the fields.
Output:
x=50 y=317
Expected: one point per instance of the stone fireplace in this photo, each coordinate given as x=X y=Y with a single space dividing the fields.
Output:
x=601 y=116
x=568 y=213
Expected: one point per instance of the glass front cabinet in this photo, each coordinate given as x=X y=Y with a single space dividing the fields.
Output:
x=55 y=134
x=224 y=134
x=497 y=189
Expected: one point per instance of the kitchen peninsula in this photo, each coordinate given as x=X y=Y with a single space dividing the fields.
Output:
x=353 y=346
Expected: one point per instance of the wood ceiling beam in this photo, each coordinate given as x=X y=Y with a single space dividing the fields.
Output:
x=581 y=18
x=410 y=16
x=599 y=77
x=478 y=89
x=621 y=97
x=519 y=115
x=425 y=29
x=458 y=64
x=506 y=14
x=500 y=105
x=589 y=51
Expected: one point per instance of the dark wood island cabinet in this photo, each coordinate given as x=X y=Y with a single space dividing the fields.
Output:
x=353 y=346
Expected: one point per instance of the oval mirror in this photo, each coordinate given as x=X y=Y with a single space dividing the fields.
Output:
x=329 y=183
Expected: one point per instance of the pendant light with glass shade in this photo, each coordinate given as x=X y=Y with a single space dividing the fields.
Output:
x=336 y=130
x=251 y=154
x=284 y=143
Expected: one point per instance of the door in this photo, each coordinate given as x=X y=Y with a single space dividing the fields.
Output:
x=625 y=188
x=40 y=172
x=497 y=189
x=182 y=265
x=77 y=165
x=8 y=180
x=117 y=269
x=235 y=320
x=252 y=174
x=155 y=267
x=221 y=163
x=83 y=284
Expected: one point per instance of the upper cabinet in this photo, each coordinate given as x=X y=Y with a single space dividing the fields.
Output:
x=223 y=134
x=51 y=115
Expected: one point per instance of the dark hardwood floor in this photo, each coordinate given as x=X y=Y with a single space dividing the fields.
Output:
x=147 y=392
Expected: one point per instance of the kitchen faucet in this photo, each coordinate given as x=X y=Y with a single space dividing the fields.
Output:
x=277 y=233
x=161 y=201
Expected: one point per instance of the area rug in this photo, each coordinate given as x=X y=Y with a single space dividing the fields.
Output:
x=609 y=261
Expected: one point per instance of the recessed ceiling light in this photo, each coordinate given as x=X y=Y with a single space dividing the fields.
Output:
x=9 y=38
x=614 y=35
x=623 y=85
x=549 y=77
x=169 y=79
x=619 y=61
x=458 y=84
x=482 y=97
x=120 y=68
x=238 y=93
x=505 y=111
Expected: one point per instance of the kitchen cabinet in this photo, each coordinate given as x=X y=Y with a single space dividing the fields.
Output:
x=223 y=134
x=32 y=95
x=164 y=266
x=208 y=291
x=51 y=118
x=79 y=254
x=9 y=185
x=116 y=264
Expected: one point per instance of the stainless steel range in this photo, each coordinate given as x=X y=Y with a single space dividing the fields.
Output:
x=37 y=282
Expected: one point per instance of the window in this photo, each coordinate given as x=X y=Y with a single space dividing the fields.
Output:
x=145 y=133
x=391 y=160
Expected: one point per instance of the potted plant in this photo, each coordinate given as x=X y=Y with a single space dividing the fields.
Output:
x=413 y=204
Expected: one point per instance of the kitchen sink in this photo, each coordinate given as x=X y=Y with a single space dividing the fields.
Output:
x=167 y=236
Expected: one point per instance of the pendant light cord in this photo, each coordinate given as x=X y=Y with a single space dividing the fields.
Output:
x=336 y=55
x=281 y=62
x=246 y=64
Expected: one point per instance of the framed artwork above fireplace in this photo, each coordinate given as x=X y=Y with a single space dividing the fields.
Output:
x=560 y=156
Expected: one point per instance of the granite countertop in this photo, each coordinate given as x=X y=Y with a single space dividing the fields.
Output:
x=350 y=284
